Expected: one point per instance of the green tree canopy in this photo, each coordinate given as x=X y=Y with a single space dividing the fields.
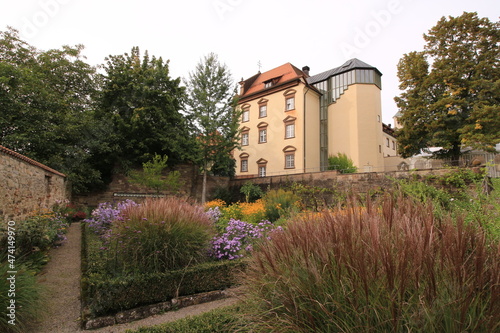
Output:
x=46 y=100
x=451 y=90
x=211 y=108
x=143 y=105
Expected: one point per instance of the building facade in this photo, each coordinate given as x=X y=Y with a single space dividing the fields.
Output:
x=291 y=121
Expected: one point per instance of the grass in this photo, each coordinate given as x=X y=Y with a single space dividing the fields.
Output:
x=158 y=235
x=392 y=267
x=222 y=320
x=27 y=295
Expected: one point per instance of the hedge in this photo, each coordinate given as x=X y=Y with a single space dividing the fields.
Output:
x=104 y=295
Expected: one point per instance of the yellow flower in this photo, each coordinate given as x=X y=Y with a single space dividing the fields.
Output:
x=215 y=203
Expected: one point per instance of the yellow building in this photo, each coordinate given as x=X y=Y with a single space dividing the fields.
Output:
x=291 y=122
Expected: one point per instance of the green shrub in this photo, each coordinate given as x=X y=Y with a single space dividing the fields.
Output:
x=279 y=204
x=104 y=295
x=158 y=235
x=28 y=299
x=223 y=320
x=36 y=233
x=251 y=191
x=387 y=268
x=460 y=178
x=342 y=163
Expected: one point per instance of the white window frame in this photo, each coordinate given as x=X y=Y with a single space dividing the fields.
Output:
x=245 y=116
x=262 y=170
x=263 y=111
x=244 y=165
x=245 y=139
x=289 y=130
x=263 y=135
x=290 y=161
x=290 y=103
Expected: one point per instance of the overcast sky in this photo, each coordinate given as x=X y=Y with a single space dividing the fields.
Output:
x=319 y=33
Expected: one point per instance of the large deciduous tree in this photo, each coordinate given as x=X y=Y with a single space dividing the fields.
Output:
x=46 y=108
x=451 y=90
x=143 y=104
x=211 y=107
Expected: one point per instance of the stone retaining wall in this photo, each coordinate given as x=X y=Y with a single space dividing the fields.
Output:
x=27 y=185
x=355 y=182
x=120 y=188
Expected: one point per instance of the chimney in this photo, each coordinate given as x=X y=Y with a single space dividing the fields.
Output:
x=306 y=70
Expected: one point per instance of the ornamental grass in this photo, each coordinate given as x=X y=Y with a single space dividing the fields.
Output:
x=391 y=267
x=157 y=236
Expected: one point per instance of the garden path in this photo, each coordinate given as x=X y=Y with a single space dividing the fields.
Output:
x=61 y=277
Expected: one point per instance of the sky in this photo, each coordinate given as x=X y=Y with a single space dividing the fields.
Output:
x=247 y=35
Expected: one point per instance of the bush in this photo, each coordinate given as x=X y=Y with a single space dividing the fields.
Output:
x=251 y=191
x=158 y=235
x=279 y=204
x=390 y=268
x=36 y=233
x=104 y=295
x=28 y=299
x=342 y=163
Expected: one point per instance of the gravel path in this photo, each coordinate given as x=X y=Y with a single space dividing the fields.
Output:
x=61 y=277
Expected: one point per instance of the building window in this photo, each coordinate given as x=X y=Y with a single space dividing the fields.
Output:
x=387 y=142
x=290 y=103
x=289 y=99
x=244 y=165
x=290 y=161
x=393 y=145
x=289 y=127
x=289 y=152
x=245 y=136
x=289 y=131
x=262 y=167
x=244 y=139
x=268 y=84
x=244 y=162
x=263 y=111
x=262 y=132
x=263 y=135
x=262 y=107
x=262 y=171
x=245 y=116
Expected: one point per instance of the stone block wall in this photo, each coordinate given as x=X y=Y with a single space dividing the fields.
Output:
x=120 y=188
x=27 y=185
x=355 y=182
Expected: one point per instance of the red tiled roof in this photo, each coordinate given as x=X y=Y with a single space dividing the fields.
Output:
x=28 y=160
x=283 y=73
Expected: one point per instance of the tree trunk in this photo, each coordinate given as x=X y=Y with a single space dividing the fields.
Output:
x=204 y=187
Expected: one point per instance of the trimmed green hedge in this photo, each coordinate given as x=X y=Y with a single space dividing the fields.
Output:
x=109 y=295
x=103 y=295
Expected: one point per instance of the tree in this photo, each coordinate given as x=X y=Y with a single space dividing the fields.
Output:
x=151 y=175
x=143 y=105
x=342 y=163
x=451 y=90
x=211 y=106
x=46 y=104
